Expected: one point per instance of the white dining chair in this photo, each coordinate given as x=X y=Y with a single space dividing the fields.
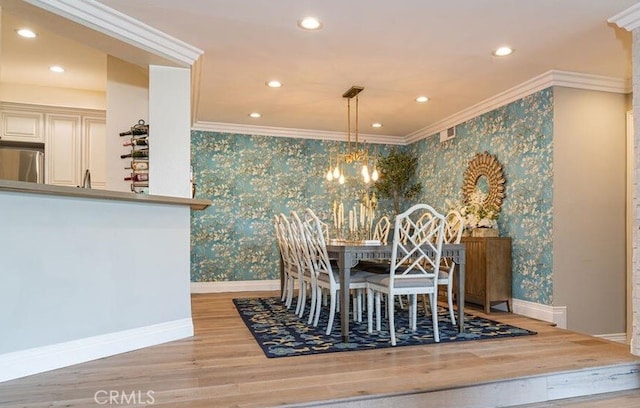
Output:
x=306 y=273
x=326 y=278
x=381 y=231
x=453 y=227
x=289 y=264
x=415 y=260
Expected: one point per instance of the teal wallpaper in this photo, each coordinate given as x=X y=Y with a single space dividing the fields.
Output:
x=249 y=178
x=520 y=136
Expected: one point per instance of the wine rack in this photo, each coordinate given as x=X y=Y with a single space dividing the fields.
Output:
x=138 y=141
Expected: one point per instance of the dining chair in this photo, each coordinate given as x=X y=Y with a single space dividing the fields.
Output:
x=415 y=260
x=381 y=231
x=289 y=265
x=453 y=227
x=325 y=277
x=306 y=273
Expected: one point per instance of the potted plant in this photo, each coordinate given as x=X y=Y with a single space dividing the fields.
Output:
x=397 y=178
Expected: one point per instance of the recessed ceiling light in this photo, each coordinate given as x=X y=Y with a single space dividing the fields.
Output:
x=26 y=33
x=309 y=23
x=503 y=51
x=376 y=125
x=56 y=68
x=255 y=115
x=422 y=99
x=274 y=84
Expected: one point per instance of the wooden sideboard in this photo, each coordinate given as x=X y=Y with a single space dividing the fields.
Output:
x=488 y=271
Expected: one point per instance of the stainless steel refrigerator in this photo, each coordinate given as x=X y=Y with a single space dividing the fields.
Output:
x=22 y=164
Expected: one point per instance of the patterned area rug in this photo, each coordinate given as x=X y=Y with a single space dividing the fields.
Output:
x=281 y=333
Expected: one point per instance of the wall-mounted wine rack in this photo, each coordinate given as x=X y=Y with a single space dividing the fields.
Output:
x=138 y=140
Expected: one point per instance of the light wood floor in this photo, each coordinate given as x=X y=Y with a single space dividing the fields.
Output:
x=222 y=366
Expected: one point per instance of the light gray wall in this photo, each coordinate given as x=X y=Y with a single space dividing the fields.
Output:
x=589 y=274
x=635 y=290
x=78 y=268
x=127 y=102
x=169 y=131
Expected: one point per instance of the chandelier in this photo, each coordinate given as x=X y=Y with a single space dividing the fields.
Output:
x=356 y=153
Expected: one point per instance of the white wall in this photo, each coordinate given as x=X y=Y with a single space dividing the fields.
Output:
x=589 y=231
x=53 y=96
x=80 y=268
x=127 y=102
x=169 y=131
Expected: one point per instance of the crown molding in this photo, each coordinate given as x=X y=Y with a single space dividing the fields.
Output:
x=292 y=133
x=543 y=81
x=628 y=19
x=536 y=84
x=115 y=24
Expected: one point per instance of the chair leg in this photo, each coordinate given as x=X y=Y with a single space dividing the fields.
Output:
x=414 y=311
x=354 y=307
x=285 y=287
x=332 y=312
x=292 y=290
x=314 y=295
x=434 y=317
x=369 y=310
x=378 y=315
x=289 y=291
x=424 y=304
x=302 y=298
x=318 y=307
x=360 y=304
x=392 y=326
x=452 y=315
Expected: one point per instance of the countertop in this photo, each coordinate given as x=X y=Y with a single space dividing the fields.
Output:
x=48 y=189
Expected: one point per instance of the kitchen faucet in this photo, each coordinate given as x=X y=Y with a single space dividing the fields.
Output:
x=86 y=182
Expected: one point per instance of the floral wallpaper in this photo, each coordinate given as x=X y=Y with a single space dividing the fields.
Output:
x=251 y=178
x=520 y=136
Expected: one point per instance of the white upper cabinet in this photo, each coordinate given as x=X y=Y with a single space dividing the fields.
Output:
x=22 y=126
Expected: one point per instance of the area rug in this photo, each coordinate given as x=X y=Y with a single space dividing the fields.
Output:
x=280 y=333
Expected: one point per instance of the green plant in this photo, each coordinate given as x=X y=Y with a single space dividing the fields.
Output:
x=397 y=174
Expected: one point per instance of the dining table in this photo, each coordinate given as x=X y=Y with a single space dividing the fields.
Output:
x=348 y=254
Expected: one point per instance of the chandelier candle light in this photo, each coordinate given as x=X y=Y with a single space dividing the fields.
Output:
x=354 y=154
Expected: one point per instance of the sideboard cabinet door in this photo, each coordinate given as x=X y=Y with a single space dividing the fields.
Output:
x=488 y=271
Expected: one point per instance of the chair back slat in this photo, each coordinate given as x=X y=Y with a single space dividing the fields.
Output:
x=417 y=243
x=381 y=232
x=314 y=229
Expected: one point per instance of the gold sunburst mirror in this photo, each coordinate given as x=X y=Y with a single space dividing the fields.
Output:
x=485 y=174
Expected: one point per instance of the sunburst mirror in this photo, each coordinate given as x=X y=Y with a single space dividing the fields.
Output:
x=484 y=173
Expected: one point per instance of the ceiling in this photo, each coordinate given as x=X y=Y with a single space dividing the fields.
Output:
x=395 y=50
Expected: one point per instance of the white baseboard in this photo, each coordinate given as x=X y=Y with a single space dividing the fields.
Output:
x=617 y=337
x=235 y=286
x=37 y=360
x=552 y=314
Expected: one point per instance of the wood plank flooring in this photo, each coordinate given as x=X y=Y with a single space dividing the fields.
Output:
x=222 y=366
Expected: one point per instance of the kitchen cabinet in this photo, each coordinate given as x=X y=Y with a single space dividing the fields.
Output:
x=73 y=144
x=488 y=271
x=21 y=126
x=62 y=150
x=93 y=142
